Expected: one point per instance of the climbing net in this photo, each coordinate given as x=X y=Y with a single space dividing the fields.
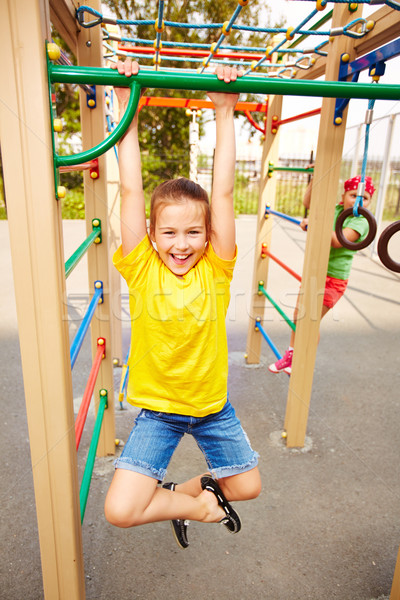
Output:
x=282 y=59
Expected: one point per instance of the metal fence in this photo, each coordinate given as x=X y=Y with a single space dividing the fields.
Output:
x=292 y=185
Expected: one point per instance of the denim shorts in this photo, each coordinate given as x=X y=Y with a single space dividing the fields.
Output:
x=219 y=436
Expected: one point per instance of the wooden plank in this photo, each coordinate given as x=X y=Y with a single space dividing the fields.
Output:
x=324 y=194
x=395 y=591
x=34 y=219
x=62 y=15
x=386 y=29
x=114 y=219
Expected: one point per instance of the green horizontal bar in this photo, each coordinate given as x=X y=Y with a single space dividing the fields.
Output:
x=210 y=82
x=295 y=169
x=79 y=252
x=205 y=82
x=87 y=474
x=278 y=308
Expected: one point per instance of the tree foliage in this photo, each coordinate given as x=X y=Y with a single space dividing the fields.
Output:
x=164 y=132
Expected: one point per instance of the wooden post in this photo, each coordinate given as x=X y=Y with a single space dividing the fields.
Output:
x=264 y=227
x=93 y=132
x=395 y=591
x=114 y=219
x=34 y=219
x=323 y=200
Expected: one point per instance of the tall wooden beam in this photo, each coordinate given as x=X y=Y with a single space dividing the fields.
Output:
x=323 y=200
x=395 y=591
x=264 y=228
x=386 y=29
x=34 y=219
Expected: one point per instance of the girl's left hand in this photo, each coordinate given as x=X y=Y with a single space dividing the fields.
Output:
x=127 y=68
x=227 y=74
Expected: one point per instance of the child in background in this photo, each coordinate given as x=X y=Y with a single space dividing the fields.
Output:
x=179 y=295
x=340 y=258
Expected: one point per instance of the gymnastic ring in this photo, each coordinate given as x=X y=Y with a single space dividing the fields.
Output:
x=383 y=247
x=371 y=232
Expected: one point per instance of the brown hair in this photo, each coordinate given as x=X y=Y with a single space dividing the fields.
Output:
x=178 y=191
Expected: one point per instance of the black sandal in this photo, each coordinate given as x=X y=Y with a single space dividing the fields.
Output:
x=232 y=519
x=179 y=526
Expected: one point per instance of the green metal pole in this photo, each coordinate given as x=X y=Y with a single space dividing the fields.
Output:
x=109 y=141
x=294 y=169
x=79 y=252
x=209 y=82
x=280 y=311
x=87 y=475
x=205 y=82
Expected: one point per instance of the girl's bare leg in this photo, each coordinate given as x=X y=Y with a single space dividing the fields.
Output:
x=244 y=486
x=192 y=486
x=134 y=499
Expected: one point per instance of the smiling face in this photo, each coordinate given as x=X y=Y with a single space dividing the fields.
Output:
x=180 y=235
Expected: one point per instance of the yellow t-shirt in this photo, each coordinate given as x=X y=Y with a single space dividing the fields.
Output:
x=178 y=360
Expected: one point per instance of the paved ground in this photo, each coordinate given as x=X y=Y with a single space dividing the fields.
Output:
x=327 y=524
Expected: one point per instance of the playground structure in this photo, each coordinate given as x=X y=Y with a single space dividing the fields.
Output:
x=36 y=237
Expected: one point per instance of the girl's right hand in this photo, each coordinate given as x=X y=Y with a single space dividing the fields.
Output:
x=127 y=68
x=304 y=224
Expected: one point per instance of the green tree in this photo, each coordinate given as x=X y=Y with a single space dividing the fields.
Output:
x=164 y=132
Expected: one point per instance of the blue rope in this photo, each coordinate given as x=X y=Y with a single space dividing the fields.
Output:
x=102 y=19
x=158 y=33
x=359 y=199
x=222 y=36
x=310 y=16
x=296 y=30
x=391 y=3
x=230 y=26
x=198 y=46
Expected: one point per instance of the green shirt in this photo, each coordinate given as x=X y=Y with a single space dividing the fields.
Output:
x=340 y=259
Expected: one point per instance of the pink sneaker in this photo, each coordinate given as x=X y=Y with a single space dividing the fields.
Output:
x=283 y=364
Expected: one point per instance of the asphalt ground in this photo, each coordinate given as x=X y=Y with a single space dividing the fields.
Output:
x=327 y=523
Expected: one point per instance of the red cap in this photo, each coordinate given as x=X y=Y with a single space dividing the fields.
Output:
x=352 y=184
